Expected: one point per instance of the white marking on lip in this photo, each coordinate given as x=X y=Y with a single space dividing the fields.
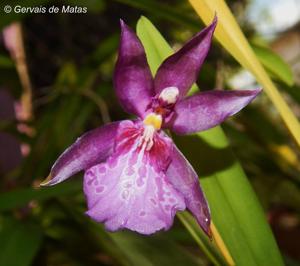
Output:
x=147 y=137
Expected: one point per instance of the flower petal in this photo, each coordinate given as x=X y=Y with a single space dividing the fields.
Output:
x=181 y=69
x=88 y=150
x=132 y=78
x=128 y=191
x=185 y=180
x=208 y=109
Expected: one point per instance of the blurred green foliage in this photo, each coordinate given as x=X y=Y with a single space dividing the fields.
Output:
x=71 y=59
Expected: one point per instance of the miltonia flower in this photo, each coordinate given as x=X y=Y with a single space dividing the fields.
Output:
x=135 y=177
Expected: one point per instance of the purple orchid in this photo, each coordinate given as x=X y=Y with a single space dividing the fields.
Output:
x=135 y=176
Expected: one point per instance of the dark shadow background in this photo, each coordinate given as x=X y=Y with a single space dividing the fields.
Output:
x=70 y=60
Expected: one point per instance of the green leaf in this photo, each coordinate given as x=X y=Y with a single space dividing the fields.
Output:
x=6 y=62
x=151 y=250
x=167 y=11
x=130 y=248
x=274 y=63
x=202 y=240
x=19 y=242
x=235 y=209
x=106 y=48
x=20 y=197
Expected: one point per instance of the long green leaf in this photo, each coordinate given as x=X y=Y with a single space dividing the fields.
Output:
x=274 y=63
x=19 y=242
x=20 y=197
x=153 y=250
x=130 y=248
x=234 y=206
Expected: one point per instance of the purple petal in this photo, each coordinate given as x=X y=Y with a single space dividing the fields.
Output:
x=132 y=78
x=88 y=150
x=185 y=180
x=128 y=191
x=208 y=109
x=181 y=69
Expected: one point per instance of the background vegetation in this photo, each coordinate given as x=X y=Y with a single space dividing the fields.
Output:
x=70 y=60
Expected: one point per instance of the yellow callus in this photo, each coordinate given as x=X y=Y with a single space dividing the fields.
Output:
x=154 y=120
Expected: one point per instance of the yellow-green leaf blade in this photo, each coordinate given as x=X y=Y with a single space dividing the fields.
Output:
x=229 y=34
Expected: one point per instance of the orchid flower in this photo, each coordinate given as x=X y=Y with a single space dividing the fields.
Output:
x=135 y=176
